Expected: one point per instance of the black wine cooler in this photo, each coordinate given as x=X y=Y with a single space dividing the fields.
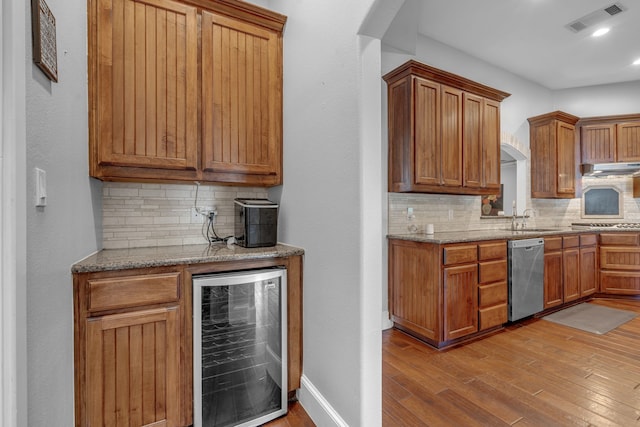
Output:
x=239 y=348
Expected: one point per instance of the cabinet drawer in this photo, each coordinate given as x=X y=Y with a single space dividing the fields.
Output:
x=588 y=239
x=495 y=293
x=492 y=316
x=625 y=239
x=459 y=254
x=493 y=271
x=552 y=244
x=570 y=242
x=130 y=291
x=492 y=251
x=620 y=258
x=621 y=283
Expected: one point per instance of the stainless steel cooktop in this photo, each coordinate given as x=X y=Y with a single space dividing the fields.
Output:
x=605 y=225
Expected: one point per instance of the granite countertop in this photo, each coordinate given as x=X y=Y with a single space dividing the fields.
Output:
x=478 y=235
x=158 y=256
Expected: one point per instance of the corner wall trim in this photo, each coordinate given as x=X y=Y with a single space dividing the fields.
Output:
x=318 y=408
x=386 y=320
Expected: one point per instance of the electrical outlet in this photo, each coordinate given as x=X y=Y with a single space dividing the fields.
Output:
x=195 y=215
x=200 y=213
x=410 y=214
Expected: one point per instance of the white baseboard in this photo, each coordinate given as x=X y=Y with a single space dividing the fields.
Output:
x=386 y=321
x=318 y=408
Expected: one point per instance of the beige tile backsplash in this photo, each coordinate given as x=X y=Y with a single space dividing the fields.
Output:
x=141 y=215
x=465 y=210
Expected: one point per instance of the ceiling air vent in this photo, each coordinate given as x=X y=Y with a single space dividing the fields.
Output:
x=614 y=9
x=595 y=17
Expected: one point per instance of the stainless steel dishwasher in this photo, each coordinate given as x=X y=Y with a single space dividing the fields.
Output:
x=526 y=277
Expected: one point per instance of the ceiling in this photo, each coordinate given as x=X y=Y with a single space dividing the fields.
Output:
x=529 y=38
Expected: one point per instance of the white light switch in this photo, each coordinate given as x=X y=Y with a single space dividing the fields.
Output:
x=41 y=188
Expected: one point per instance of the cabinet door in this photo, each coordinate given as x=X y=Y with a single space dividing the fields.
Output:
x=598 y=143
x=491 y=144
x=460 y=301
x=144 y=86
x=571 y=274
x=428 y=165
x=472 y=141
x=543 y=160
x=241 y=101
x=628 y=144
x=133 y=366
x=451 y=133
x=552 y=279
x=566 y=152
x=414 y=300
x=588 y=271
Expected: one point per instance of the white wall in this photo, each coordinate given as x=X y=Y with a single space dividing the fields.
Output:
x=603 y=100
x=13 y=342
x=67 y=229
x=321 y=203
x=527 y=98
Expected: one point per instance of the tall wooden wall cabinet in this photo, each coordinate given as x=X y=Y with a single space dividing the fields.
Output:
x=444 y=132
x=554 y=156
x=185 y=90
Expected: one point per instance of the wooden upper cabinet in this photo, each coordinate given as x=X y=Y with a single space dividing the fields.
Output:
x=554 y=164
x=145 y=85
x=472 y=141
x=451 y=137
x=155 y=116
x=598 y=143
x=628 y=139
x=428 y=150
x=241 y=100
x=443 y=132
x=610 y=139
x=491 y=143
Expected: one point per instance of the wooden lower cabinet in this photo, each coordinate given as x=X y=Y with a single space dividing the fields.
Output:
x=133 y=341
x=444 y=293
x=460 y=301
x=620 y=263
x=133 y=368
x=570 y=268
x=571 y=274
x=553 y=278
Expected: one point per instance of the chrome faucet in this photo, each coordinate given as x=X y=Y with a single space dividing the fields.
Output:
x=524 y=217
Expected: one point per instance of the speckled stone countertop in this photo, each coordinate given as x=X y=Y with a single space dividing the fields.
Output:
x=158 y=256
x=477 y=235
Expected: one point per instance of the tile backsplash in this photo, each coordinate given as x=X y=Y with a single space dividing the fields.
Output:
x=460 y=213
x=141 y=215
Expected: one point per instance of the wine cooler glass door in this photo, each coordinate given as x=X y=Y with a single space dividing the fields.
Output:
x=239 y=347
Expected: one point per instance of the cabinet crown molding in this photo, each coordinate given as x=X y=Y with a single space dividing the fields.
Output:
x=247 y=11
x=620 y=118
x=419 y=69
x=555 y=115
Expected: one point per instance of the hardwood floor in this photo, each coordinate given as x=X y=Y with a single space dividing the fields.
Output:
x=296 y=417
x=535 y=373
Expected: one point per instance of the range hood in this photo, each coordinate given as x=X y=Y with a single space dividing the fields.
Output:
x=606 y=169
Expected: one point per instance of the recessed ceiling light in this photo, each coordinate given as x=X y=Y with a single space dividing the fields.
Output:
x=636 y=62
x=600 y=32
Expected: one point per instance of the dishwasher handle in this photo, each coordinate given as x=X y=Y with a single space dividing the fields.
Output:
x=529 y=244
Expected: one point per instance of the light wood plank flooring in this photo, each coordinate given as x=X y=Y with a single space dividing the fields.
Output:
x=534 y=373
